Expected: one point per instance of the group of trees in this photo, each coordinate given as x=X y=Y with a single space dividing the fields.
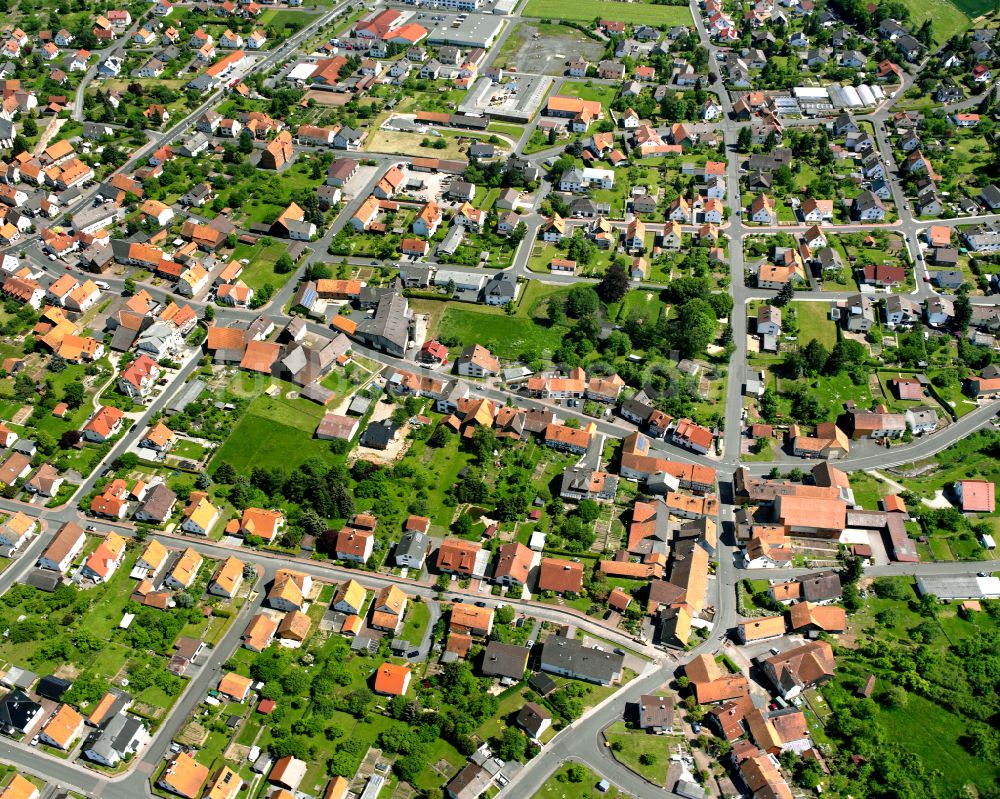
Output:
x=691 y=327
x=137 y=97
x=319 y=491
x=54 y=621
x=960 y=678
x=43 y=397
x=575 y=529
x=490 y=174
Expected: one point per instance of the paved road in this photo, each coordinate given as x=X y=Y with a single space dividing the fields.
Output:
x=124 y=37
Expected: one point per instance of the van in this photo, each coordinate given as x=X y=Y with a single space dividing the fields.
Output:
x=102 y=285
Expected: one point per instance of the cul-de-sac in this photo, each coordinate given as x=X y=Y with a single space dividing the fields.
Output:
x=499 y=399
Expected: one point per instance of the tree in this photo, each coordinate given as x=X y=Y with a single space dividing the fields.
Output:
x=20 y=145
x=462 y=526
x=511 y=744
x=439 y=438
x=576 y=773
x=311 y=522
x=581 y=301
x=617 y=343
x=483 y=443
x=24 y=386
x=246 y=142
x=845 y=354
x=45 y=442
x=505 y=615
x=295 y=682
x=814 y=356
x=29 y=127
x=768 y=405
x=805 y=407
x=925 y=34
x=127 y=460
x=359 y=700
x=588 y=510
x=686 y=288
x=73 y=394
x=614 y=285
x=784 y=295
x=70 y=438
x=556 y=311
x=721 y=303
x=581 y=250
x=284 y=264
x=692 y=328
x=963 y=311
x=225 y=473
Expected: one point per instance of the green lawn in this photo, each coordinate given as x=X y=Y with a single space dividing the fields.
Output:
x=586 y=90
x=586 y=10
x=832 y=391
x=275 y=431
x=559 y=786
x=814 y=323
x=323 y=732
x=188 y=449
x=764 y=456
x=930 y=730
x=932 y=733
x=504 y=129
x=418 y=616
x=947 y=18
x=972 y=457
x=507 y=337
x=286 y=19
x=98 y=610
x=260 y=270
x=635 y=744
x=952 y=393
x=443 y=465
x=638 y=302
x=264 y=194
x=867 y=490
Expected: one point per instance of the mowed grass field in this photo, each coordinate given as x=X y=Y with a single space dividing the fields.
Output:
x=947 y=18
x=507 y=337
x=586 y=90
x=933 y=734
x=262 y=259
x=636 y=13
x=814 y=323
x=275 y=431
x=976 y=8
x=559 y=787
